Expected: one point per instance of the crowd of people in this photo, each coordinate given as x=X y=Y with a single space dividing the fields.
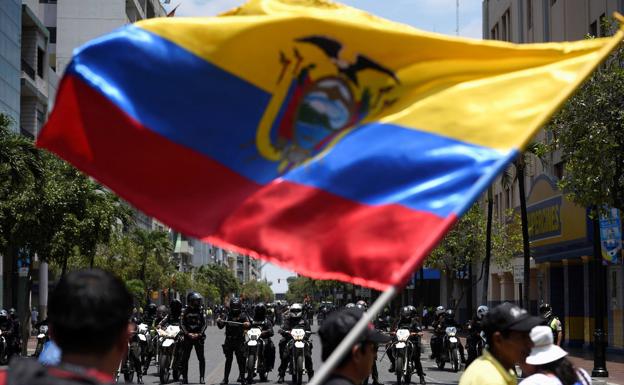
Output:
x=98 y=330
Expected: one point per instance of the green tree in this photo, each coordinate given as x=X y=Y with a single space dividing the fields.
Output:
x=257 y=291
x=219 y=276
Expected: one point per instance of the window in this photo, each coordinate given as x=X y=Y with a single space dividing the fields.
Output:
x=530 y=13
x=494 y=32
x=52 y=35
x=47 y=1
x=506 y=26
x=40 y=119
x=40 y=61
x=593 y=29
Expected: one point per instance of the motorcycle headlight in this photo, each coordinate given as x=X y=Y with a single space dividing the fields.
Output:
x=297 y=334
x=254 y=333
x=451 y=330
x=402 y=335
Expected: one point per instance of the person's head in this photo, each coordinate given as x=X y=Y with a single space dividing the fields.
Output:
x=361 y=304
x=161 y=311
x=350 y=305
x=235 y=306
x=450 y=314
x=296 y=311
x=545 y=310
x=507 y=328
x=260 y=312
x=151 y=309
x=194 y=300
x=406 y=313
x=4 y=316
x=175 y=308
x=13 y=314
x=88 y=317
x=549 y=358
x=440 y=310
x=482 y=311
x=358 y=362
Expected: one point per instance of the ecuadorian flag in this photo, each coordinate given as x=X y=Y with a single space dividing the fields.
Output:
x=307 y=133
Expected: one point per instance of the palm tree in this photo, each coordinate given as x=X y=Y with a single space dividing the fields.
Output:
x=19 y=159
x=154 y=244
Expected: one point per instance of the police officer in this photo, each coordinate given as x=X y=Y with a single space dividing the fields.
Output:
x=445 y=321
x=193 y=325
x=553 y=322
x=438 y=331
x=294 y=320
x=407 y=320
x=474 y=342
x=150 y=314
x=17 y=332
x=149 y=318
x=267 y=353
x=8 y=330
x=173 y=318
x=235 y=323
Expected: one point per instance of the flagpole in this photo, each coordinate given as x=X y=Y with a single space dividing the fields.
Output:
x=350 y=339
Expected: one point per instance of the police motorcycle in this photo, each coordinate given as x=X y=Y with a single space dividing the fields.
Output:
x=42 y=338
x=168 y=353
x=126 y=367
x=475 y=343
x=403 y=348
x=450 y=350
x=256 y=345
x=297 y=347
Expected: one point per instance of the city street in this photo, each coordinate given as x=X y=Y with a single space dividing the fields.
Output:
x=215 y=362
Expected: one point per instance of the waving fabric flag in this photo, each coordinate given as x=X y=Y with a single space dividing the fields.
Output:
x=306 y=133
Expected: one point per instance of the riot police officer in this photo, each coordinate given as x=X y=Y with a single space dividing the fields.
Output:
x=267 y=353
x=173 y=318
x=150 y=314
x=408 y=321
x=17 y=332
x=193 y=325
x=439 y=329
x=8 y=330
x=474 y=342
x=294 y=320
x=235 y=323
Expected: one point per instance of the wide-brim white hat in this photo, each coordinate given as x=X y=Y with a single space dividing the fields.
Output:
x=544 y=350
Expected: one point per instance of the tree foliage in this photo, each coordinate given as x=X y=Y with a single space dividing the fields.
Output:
x=257 y=291
x=589 y=131
x=220 y=277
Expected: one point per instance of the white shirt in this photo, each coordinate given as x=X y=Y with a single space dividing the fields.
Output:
x=543 y=379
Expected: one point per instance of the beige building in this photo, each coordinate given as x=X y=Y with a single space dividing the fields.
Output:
x=559 y=232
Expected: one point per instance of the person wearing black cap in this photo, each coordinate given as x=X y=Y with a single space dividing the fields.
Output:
x=507 y=329
x=356 y=366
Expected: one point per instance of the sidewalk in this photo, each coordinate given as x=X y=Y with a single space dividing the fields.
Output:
x=580 y=358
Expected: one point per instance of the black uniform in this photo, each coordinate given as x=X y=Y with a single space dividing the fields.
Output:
x=474 y=342
x=8 y=332
x=289 y=324
x=382 y=323
x=414 y=327
x=234 y=343
x=439 y=330
x=193 y=322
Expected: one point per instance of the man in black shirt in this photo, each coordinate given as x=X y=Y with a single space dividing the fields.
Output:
x=193 y=325
x=356 y=366
x=235 y=323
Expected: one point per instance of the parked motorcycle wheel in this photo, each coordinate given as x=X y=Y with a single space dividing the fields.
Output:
x=455 y=360
x=399 y=370
x=164 y=371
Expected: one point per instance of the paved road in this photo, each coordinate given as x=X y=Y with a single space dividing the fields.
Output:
x=215 y=364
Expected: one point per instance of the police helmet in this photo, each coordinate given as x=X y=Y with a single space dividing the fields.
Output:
x=194 y=300
x=176 y=307
x=440 y=310
x=450 y=313
x=4 y=315
x=545 y=310
x=260 y=312
x=482 y=311
x=296 y=310
x=350 y=305
x=235 y=306
x=361 y=305
x=406 y=312
x=151 y=308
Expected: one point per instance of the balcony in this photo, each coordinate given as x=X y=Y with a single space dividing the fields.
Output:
x=28 y=70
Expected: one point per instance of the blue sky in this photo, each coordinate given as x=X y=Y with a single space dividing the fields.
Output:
x=430 y=15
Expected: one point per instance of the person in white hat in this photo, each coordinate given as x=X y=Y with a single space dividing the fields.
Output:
x=550 y=362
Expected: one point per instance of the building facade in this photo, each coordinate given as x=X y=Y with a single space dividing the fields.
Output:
x=560 y=233
x=10 y=34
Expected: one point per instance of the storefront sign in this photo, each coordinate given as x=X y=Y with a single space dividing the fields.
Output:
x=544 y=219
x=611 y=236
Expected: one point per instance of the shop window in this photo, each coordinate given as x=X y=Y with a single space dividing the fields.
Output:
x=40 y=62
